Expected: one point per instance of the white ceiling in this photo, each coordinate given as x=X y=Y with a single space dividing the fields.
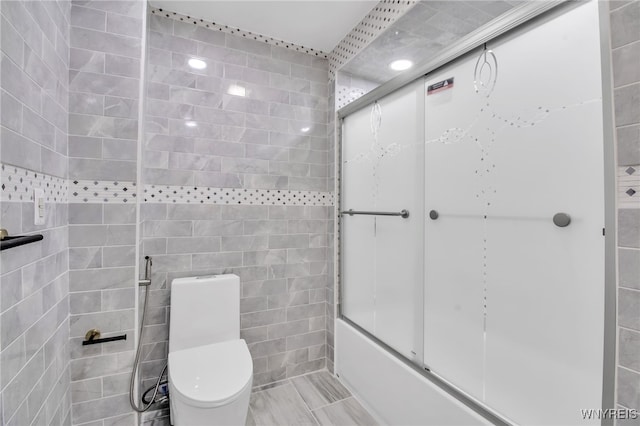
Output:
x=319 y=24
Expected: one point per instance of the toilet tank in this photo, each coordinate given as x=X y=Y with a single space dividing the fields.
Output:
x=204 y=310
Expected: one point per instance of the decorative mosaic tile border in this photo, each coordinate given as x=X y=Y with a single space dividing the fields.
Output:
x=84 y=191
x=629 y=187
x=18 y=185
x=97 y=191
x=349 y=88
x=346 y=95
x=236 y=31
x=384 y=14
x=207 y=195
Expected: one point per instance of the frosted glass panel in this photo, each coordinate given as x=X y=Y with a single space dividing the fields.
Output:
x=399 y=270
x=358 y=235
x=383 y=171
x=454 y=245
x=545 y=298
x=358 y=271
x=513 y=303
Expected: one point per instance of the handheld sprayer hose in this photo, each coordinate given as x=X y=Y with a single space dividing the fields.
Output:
x=136 y=363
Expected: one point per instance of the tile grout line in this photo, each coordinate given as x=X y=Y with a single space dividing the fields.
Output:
x=628 y=369
x=294 y=377
x=322 y=406
x=289 y=382
x=301 y=397
x=634 y=290
x=625 y=328
x=250 y=411
x=313 y=411
x=279 y=383
x=315 y=417
x=306 y=405
x=333 y=403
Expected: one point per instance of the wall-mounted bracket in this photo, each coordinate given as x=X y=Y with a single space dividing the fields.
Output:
x=93 y=337
x=7 y=242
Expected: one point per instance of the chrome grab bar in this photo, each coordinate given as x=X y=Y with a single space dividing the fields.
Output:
x=403 y=213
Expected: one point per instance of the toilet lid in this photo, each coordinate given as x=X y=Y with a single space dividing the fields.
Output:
x=211 y=373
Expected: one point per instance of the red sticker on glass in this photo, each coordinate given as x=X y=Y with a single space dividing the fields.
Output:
x=440 y=86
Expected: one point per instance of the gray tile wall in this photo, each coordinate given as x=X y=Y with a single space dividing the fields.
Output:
x=101 y=295
x=34 y=281
x=34 y=324
x=104 y=82
x=35 y=55
x=625 y=40
x=281 y=253
x=199 y=133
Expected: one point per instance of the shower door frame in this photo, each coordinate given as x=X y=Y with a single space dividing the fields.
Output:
x=522 y=16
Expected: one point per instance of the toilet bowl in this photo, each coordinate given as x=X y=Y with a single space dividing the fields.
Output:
x=210 y=367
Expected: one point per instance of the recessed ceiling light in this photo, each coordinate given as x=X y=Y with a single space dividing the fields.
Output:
x=401 y=65
x=236 y=90
x=305 y=129
x=191 y=124
x=197 y=64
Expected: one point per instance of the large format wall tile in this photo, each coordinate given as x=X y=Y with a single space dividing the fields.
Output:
x=238 y=109
x=625 y=40
x=34 y=280
x=104 y=83
x=255 y=118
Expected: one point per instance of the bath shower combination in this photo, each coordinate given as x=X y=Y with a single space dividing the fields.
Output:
x=460 y=292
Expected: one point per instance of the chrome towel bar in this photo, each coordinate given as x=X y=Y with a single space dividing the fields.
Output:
x=403 y=213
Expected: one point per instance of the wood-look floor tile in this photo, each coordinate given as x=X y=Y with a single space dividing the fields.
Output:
x=347 y=412
x=280 y=406
x=319 y=389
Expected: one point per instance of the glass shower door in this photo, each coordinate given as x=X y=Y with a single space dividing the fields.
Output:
x=455 y=234
x=382 y=172
x=514 y=294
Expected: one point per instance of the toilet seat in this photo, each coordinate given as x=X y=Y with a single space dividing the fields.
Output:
x=211 y=375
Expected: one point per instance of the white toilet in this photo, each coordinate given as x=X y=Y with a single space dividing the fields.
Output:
x=210 y=368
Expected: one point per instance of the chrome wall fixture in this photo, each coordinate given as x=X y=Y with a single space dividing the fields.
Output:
x=146 y=405
x=402 y=213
